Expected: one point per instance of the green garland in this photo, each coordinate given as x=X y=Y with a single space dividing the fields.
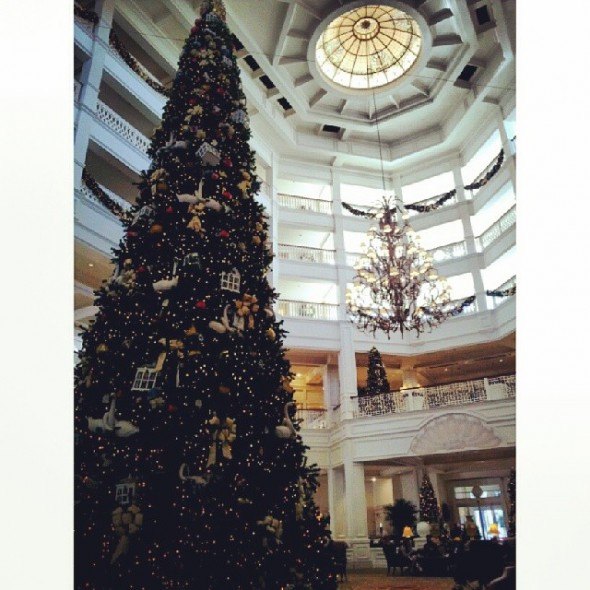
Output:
x=134 y=64
x=102 y=197
x=443 y=198
x=88 y=15
x=508 y=292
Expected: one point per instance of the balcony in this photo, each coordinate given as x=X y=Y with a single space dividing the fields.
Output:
x=305 y=254
x=438 y=396
x=499 y=227
x=305 y=204
x=312 y=418
x=497 y=301
x=307 y=310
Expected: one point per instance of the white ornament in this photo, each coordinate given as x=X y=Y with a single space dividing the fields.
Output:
x=238 y=116
x=226 y=61
x=286 y=429
x=230 y=281
x=109 y=424
x=165 y=284
x=199 y=480
x=209 y=155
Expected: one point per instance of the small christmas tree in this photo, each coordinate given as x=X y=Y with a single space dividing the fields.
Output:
x=376 y=376
x=512 y=499
x=429 y=511
x=190 y=472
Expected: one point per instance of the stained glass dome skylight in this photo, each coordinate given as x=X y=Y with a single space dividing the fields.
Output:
x=368 y=47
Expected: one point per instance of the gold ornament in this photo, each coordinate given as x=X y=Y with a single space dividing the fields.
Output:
x=156 y=229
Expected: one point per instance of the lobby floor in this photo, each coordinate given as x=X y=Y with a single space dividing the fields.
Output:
x=378 y=580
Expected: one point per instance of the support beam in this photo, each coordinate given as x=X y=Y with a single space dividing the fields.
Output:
x=282 y=41
x=302 y=80
x=305 y=6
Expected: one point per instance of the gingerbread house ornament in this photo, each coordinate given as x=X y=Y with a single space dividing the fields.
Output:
x=231 y=281
x=208 y=154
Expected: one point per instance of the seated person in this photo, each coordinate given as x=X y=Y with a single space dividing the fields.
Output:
x=433 y=560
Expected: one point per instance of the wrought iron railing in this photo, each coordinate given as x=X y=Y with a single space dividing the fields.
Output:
x=312 y=418
x=115 y=122
x=497 y=228
x=424 y=398
x=305 y=254
x=307 y=310
x=296 y=202
x=508 y=382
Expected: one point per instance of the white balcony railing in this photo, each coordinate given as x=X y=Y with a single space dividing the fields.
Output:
x=307 y=310
x=296 y=202
x=497 y=228
x=496 y=301
x=115 y=122
x=305 y=254
x=77 y=89
x=424 y=398
x=316 y=419
x=449 y=251
x=145 y=71
x=88 y=194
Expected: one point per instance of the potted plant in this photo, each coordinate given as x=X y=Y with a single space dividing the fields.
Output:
x=401 y=514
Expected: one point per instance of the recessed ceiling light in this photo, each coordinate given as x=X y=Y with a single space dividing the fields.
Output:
x=298 y=375
x=90 y=264
x=373 y=479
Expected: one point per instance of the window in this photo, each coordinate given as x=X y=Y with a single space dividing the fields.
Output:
x=145 y=379
x=368 y=47
x=124 y=493
x=230 y=281
x=489 y=491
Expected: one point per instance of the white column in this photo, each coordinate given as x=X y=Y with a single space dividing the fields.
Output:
x=90 y=80
x=273 y=172
x=347 y=370
x=336 y=500
x=464 y=212
x=509 y=158
x=339 y=246
x=356 y=512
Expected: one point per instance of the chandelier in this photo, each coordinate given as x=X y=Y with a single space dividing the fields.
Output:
x=396 y=286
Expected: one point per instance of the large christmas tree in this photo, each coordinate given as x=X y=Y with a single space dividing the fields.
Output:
x=376 y=376
x=190 y=472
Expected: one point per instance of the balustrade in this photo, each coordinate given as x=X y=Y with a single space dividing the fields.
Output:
x=449 y=251
x=88 y=194
x=115 y=122
x=296 y=202
x=84 y=24
x=305 y=254
x=424 y=398
x=307 y=310
x=498 y=228
x=511 y=282
x=146 y=72
x=312 y=418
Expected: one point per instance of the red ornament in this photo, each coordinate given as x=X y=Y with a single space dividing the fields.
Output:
x=227 y=163
x=131 y=234
x=169 y=210
x=192 y=101
x=194 y=30
x=141 y=269
x=201 y=304
x=220 y=90
x=227 y=195
x=214 y=176
x=171 y=408
x=224 y=233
